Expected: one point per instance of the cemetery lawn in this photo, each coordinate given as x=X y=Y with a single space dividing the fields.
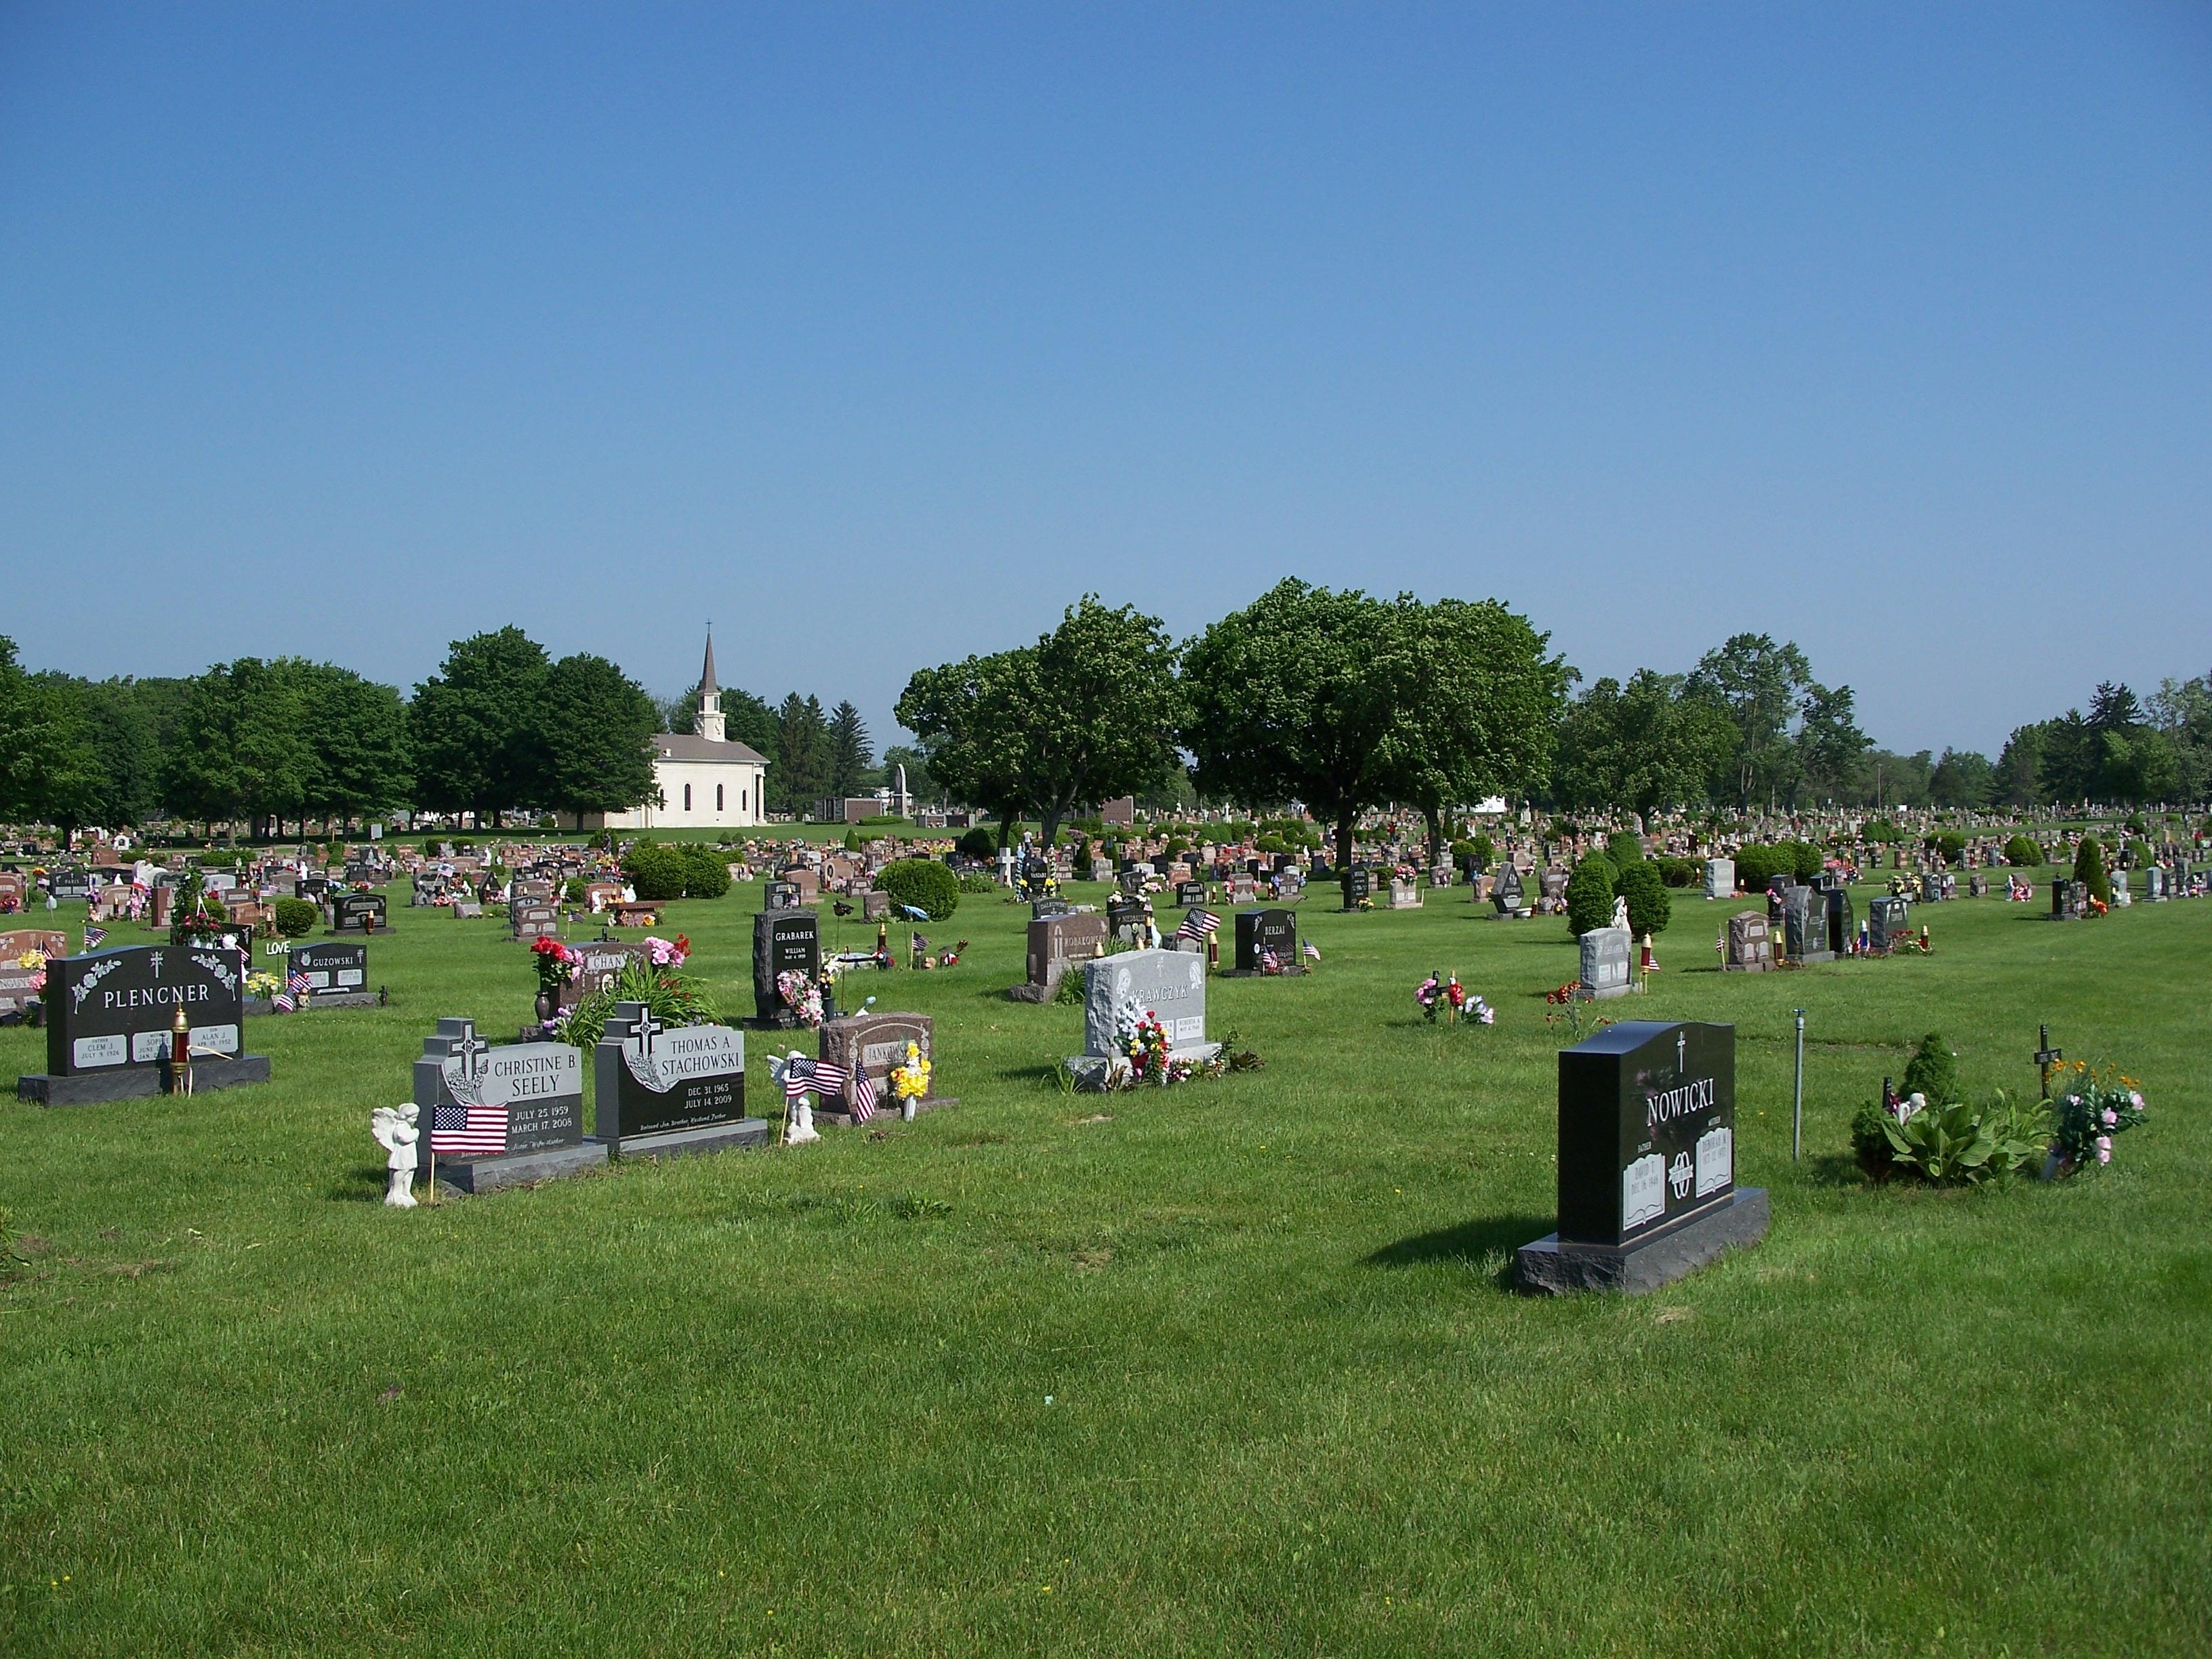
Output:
x=1226 y=1369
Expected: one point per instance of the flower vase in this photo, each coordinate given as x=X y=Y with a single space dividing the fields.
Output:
x=548 y=1005
x=905 y=1108
x=2056 y=1166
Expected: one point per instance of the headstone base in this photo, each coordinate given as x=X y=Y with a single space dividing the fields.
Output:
x=1030 y=993
x=1094 y=1073
x=745 y=1133
x=1746 y=967
x=488 y=1174
x=138 y=1082
x=255 y=1007
x=886 y=1111
x=1810 y=958
x=1549 y=1267
x=356 y=933
x=1259 y=973
x=1601 y=993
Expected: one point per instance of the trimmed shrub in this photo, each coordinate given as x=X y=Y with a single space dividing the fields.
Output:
x=1952 y=845
x=2135 y=826
x=1681 y=872
x=1622 y=849
x=706 y=872
x=655 y=872
x=1650 y=908
x=1590 y=895
x=1485 y=850
x=926 y=885
x=2090 y=870
x=2022 y=853
x=979 y=843
x=296 y=917
x=1932 y=1073
x=1807 y=861
x=1756 y=866
x=976 y=882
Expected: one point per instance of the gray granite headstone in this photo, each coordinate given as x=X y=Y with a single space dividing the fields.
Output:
x=1169 y=983
x=1605 y=963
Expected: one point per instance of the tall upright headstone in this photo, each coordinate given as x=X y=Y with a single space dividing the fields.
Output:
x=661 y=1090
x=1171 y=984
x=1646 y=1160
x=509 y=1114
x=784 y=941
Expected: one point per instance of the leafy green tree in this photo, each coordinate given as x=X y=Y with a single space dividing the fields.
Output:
x=2073 y=758
x=971 y=716
x=2181 y=711
x=241 y=752
x=476 y=728
x=598 y=726
x=1828 y=742
x=851 y=755
x=122 y=716
x=1104 y=720
x=1644 y=747
x=1303 y=696
x=1485 y=709
x=64 y=783
x=1962 y=779
x=1760 y=684
x=356 y=731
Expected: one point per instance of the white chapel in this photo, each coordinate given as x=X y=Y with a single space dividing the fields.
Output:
x=706 y=781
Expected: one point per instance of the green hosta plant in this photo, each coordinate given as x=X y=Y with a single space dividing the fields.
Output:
x=1957 y=1145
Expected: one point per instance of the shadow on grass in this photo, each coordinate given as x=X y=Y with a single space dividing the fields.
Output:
x=364 y=1184
x=1486 y=1245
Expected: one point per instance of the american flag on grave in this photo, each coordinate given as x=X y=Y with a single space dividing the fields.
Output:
x=1312 y=951
x=458 y=1131
x=294 y=992
x=799 y=1077
x=1198 y=925
x=862 y=1094
x=94 y=937
x=1269 y=962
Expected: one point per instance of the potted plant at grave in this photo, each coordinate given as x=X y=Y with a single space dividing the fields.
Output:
x=2102 y=1104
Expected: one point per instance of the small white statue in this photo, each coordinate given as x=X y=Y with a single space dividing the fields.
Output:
x=396 y=1131
x=1621 y=914
x=798 y=1112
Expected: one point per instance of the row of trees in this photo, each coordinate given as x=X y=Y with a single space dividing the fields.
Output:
x=1336 y=699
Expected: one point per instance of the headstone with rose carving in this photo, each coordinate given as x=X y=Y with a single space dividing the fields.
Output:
x=111 y=1024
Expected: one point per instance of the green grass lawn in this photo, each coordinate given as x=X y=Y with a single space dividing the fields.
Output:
x=1222 y=1370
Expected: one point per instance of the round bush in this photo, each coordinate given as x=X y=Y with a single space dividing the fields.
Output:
x=1756 y=866
x=655 y=872
x=1681 y=872
x=976 y=882
x=296 y=917
x=1622 y=849
x=2090 y=870
x=980 y=843
x=2022 y=853
x=1590 y=895
x=1650 y=908
x=706 y=872
x=1952 y=845
x=926 y=885
x=1807 y=861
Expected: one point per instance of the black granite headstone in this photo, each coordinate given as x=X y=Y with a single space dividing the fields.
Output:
x=1262 y=932
x=337 y=974
x=111 y=1018
x=667 y=1089
x=1358 y=884
x=1646 y=1160
x=1886 y=923
x=784 y=941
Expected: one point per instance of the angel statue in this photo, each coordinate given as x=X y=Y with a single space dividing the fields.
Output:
x=798 y=1110
x=1619 y=914
x=394 y=1127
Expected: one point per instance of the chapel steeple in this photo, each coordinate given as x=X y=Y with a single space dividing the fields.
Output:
x=709 y=724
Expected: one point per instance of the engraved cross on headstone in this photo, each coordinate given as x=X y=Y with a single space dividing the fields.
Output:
x=643 y=1032
x=471 y=1049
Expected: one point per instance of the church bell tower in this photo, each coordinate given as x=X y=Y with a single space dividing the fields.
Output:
x=709 y=722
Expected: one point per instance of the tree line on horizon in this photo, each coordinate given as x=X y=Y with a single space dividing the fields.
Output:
x=502 y=728
x=1337 y=700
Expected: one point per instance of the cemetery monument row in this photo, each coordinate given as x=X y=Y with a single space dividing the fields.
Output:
x=1647 y=1189
x=116 y=1019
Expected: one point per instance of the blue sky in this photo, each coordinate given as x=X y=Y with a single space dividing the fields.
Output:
x=877 y=335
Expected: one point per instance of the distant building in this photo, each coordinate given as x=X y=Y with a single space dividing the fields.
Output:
x=706 y=781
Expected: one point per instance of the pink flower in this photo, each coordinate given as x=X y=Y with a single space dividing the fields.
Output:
x=2110 y=1117
x=2137 y=1100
